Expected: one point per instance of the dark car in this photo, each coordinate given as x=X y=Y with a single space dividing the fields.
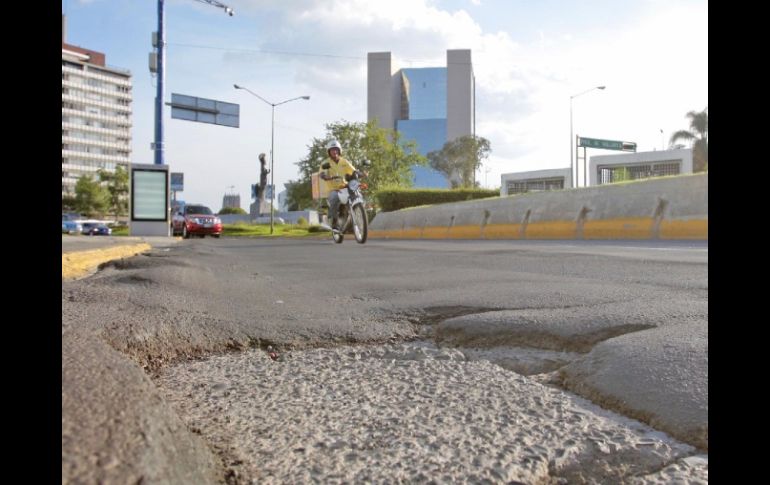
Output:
x=196 y=220
x=96 y=229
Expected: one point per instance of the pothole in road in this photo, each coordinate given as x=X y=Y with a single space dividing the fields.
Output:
x=143 y=261
x=409 y=412
x=523 y=360
x=527 y=347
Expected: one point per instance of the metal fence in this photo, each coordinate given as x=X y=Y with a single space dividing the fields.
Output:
x=534 y=185
x=608 y=175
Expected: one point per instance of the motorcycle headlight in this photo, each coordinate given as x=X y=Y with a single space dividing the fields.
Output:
x=353 y=184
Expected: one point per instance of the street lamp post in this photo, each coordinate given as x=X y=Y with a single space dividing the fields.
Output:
x=272 y=140
x=572 y=138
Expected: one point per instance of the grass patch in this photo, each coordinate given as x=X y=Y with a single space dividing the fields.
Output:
x=243 y=229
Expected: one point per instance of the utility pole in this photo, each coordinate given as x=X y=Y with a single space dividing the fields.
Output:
x=158 y=66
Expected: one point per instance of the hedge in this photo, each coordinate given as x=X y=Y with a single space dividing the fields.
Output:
x=395 y=199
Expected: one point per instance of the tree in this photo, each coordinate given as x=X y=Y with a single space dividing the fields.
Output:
x=117 y=190
x=90 y=196
x=68 y=203
x=698 y=134
x=460 y=158
x=391 y=159
x=232 y=210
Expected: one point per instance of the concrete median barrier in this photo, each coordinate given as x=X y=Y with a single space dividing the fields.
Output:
x=662 y=208
x=80 y=263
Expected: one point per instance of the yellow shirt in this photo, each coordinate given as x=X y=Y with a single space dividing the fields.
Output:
x=341 y=168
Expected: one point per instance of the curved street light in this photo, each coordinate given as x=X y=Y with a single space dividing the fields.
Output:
x=572 y=138
x=272 y=140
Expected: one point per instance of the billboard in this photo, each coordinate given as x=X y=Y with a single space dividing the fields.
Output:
x=149 y=195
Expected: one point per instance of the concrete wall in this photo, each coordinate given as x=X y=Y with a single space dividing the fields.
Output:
x=233 y=218
x=460 y=87
x=665 y=208
x=291 y=217
x=684 y=155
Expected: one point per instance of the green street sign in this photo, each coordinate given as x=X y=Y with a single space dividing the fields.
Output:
x=625 y=146
x=596 y=143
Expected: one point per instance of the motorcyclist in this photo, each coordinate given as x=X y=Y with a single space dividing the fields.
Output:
x=335 y=177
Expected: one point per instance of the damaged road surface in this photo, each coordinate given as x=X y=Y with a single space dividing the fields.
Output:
x=506 y=361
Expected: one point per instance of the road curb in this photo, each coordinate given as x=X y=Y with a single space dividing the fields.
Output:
x=80 y=263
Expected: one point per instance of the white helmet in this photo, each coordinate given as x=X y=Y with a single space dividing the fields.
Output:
x=333 y=144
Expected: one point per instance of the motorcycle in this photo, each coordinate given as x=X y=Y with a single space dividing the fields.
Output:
x=352 y=213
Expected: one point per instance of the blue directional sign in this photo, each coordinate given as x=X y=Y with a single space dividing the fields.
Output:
x=177 y=181
x=204 y=110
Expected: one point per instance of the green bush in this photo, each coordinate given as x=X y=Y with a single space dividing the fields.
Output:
x=232 y=210
x=302 y=222
x=396 y=198
x=315 y=228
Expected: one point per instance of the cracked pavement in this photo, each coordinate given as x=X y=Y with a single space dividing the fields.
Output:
x=600 y=304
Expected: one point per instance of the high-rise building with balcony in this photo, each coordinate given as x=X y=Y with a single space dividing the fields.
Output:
x=231 y=200
x=95 y=115
x=430 y=105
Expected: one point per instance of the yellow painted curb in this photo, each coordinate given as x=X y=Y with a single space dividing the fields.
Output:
x=621 y=228
x=80 y=263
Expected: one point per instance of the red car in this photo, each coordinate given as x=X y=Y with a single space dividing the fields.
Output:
x=197 y=220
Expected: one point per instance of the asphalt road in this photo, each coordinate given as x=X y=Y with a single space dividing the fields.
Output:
x=199 y=297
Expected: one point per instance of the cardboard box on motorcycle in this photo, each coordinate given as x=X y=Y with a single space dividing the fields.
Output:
x=320 y=187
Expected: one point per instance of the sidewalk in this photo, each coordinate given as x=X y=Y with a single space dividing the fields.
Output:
x=82 y=255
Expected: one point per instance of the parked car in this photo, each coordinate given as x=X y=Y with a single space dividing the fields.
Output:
x=196 y=220
x=70 y=223
x=96 y=229
x=71 y=227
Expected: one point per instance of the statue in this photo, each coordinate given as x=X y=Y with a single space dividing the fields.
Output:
x=262 y=188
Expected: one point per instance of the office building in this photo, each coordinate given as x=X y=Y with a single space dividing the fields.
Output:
x=430 y=105
x=231 y=200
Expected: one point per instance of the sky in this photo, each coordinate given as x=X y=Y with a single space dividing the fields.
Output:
x=530 y=59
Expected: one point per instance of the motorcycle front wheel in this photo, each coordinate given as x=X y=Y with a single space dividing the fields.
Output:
x=360 y=224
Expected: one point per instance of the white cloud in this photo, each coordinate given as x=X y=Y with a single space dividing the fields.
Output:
x=655 y=71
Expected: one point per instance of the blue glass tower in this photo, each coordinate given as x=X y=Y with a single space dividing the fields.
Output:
x=423 y=101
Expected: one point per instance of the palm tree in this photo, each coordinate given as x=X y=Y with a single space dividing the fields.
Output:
x=699 y=133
